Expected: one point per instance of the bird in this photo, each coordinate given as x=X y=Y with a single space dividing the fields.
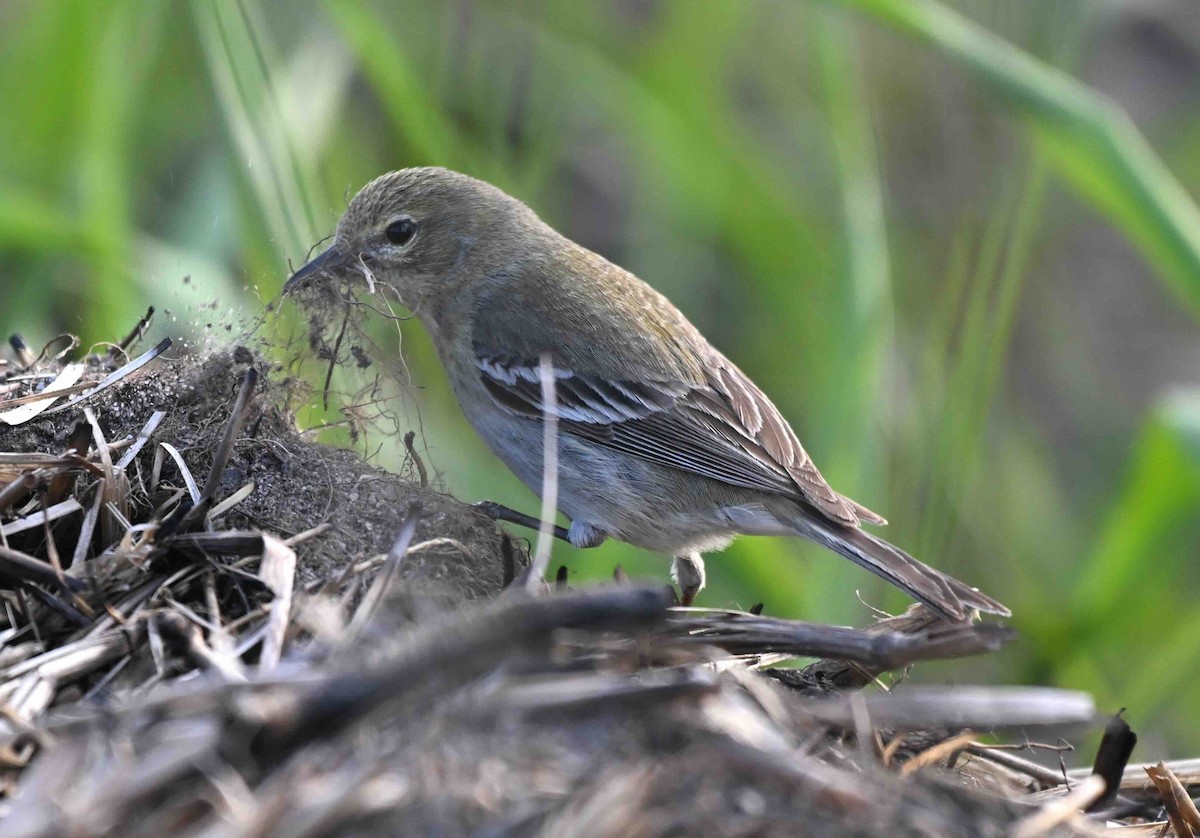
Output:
x=662 y=442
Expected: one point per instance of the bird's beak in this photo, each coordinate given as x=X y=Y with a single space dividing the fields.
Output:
x=327 y=263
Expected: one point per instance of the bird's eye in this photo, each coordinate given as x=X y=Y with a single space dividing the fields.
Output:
x=401 y=231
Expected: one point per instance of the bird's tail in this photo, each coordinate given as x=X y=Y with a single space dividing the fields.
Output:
x=942 y=593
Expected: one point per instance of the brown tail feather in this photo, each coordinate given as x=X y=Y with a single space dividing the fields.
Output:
x=944 y=594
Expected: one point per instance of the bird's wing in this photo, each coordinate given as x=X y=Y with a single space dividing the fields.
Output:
x=723 y=428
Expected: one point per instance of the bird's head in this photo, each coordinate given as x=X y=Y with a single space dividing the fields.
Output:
x=423 y=233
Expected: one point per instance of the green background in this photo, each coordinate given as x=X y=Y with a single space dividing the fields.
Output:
x=955 y=243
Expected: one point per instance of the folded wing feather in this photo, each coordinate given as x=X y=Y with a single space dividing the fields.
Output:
x=725 y=429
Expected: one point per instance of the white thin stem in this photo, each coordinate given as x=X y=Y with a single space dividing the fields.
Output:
x=545 y=540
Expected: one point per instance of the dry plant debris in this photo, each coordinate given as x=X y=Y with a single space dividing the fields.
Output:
x=210 y=625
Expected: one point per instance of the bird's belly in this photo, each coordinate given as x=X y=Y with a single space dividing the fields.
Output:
x=630 y=499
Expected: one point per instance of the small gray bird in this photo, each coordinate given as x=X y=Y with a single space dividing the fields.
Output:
x=663 y=442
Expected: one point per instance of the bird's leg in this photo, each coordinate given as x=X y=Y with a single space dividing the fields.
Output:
x=579 y=535
x=499 y=512
x=688 y=573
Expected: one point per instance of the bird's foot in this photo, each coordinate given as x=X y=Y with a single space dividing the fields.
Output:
x=580 y=534
x=688 y=573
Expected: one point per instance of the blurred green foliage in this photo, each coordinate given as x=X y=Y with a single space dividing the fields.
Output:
x=861 y=202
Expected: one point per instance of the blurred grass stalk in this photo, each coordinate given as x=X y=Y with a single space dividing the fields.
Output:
x=1089 y=141
x=861 y=352
x=243 y=65
x=404 y=95
x=965 y=374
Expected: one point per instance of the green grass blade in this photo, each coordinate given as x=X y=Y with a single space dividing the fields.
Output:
x=1161 y=495
x=867 y=285
x=864 y=298
x=1090 y=141
x=403 y=93
x=250 y=84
